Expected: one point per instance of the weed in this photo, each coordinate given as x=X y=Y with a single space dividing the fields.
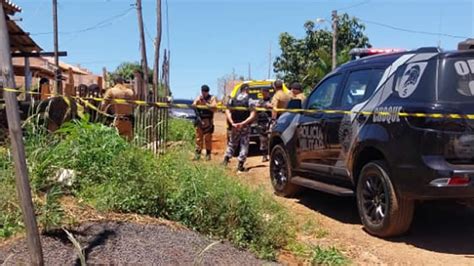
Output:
x=50 y=212
x=10 y=215
x=77 y=247
x=300 y=250
x=328 y=256
x=180 y=130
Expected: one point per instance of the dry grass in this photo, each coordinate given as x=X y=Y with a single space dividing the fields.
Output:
x=80 y=212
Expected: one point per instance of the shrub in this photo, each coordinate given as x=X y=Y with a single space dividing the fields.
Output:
x=181 y=130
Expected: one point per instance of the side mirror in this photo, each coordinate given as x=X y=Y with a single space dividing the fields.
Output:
x=294 y=104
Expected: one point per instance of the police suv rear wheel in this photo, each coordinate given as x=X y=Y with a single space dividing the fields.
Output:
x=281 y=173
x=382 y=211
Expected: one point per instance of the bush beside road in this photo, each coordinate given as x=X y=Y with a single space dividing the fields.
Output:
x=114 y=176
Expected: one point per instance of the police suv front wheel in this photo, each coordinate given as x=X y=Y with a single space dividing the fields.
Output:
x=382 y=211
x=281 y=173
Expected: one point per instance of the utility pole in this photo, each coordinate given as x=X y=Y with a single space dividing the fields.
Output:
x=104 y=77
x=335 y=21
x=7 y=80
x=58 y=85
x=143 y=50
x=250 y=72
x=270 y=62
x=156 y=67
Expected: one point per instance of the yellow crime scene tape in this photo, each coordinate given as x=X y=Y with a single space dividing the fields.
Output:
x=86 y=102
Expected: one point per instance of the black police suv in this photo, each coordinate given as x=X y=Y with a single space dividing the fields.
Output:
x=389 y=129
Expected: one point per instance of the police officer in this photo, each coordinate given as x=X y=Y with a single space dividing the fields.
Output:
x=264 y=121
x=123 y=112
x=204 y=122
x=280 y=98
x=239 y=123
x=297 y=92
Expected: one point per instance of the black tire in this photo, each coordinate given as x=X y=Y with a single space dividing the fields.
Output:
x=382 y=211
x=281 y=173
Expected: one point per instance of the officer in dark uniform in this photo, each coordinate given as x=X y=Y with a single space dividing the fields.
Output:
x=239 y=123
x=204 y=122
x=264 y=119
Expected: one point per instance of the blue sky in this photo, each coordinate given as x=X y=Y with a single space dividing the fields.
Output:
x=208 y=39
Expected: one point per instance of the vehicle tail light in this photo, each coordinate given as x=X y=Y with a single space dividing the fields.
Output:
x=459 y=181
x=454 y=181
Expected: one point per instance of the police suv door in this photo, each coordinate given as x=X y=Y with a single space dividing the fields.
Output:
x=359 y=85
x=312 y=133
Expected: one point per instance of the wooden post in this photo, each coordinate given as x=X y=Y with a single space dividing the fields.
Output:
x=142 y=47
x=18 y=151
x=28 y=79
x=334 y=39
x=58 y=85
x=156 y=69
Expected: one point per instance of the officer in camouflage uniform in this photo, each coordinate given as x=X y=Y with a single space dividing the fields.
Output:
x=204 y=122
x=239 y=123
x=264 y=119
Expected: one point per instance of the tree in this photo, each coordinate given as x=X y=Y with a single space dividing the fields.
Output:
x=126 y=70
x=308 y=60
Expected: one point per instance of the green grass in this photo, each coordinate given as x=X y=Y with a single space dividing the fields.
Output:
x=328 y=256
x=113 y=175
x=181 y=130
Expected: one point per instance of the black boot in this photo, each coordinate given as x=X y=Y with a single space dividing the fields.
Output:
x=240 y=167
x=225 y=162
x=197 y=156
x=208 y=155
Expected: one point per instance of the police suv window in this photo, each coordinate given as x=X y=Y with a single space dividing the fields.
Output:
x=356 y=87
x=323 y=96
x=457 y=80
x=360 y=85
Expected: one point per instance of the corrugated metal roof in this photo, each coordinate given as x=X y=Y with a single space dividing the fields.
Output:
x=21 y=41
x=9 y=7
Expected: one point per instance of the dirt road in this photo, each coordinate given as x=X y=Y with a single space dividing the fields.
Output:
x=442 y=233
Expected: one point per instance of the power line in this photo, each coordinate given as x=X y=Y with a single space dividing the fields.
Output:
x=412 y=31
x=148 y=34
x=102 y=24
x=353 y=6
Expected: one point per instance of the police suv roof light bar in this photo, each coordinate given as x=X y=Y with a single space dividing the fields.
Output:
x=357 y=53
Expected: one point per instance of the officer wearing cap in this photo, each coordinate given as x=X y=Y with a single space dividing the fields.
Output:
x=123 y=120
x=297 y=92
x=280 y=98
x=204 y=122
x=264 y=121
x=240 y=114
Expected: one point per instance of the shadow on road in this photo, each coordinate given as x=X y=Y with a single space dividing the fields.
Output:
x=445 y=227
x=343 y=209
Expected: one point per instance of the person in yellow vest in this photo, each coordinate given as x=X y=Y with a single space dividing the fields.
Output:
x=279 y=100
x=297 y=92
x=44 y=89
x=123 y=113
x=204 y=122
